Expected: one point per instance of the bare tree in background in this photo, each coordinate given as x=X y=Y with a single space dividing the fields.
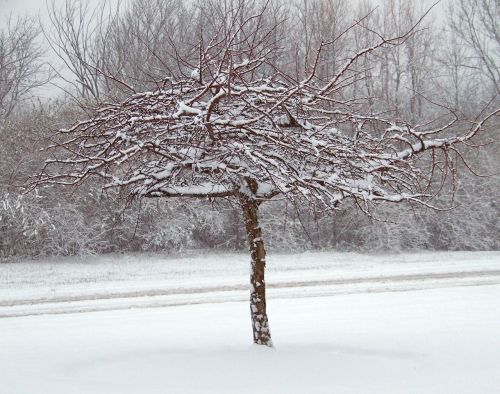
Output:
x=79 y=38
x=322 y=21
x=117 y=50
x=22 y=68
x=477 y=25
x=144 y=42
x=230 y=130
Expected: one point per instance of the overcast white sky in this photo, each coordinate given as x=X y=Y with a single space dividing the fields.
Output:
x=20 y=7
x=32 y=7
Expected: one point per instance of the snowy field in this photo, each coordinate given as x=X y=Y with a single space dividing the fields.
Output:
x=341 y=323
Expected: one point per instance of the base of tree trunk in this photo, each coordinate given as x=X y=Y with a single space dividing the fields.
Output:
x=260 y=322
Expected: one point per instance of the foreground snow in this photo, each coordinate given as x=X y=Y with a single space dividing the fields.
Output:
x=340 y=323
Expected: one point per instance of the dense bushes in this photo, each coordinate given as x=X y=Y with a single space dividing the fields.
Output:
x=35 y=225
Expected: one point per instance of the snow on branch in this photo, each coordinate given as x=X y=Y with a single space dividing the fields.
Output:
x=231 y=124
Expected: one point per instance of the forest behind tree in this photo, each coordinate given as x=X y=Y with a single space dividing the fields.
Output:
x=108 y=53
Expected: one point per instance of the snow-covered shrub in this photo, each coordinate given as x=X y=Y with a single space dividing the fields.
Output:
x=22 y=225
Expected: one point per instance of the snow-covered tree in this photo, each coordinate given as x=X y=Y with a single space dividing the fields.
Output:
x=232 y=129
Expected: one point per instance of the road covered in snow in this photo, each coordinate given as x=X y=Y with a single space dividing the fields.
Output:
x=123 y=282
x=341 y=323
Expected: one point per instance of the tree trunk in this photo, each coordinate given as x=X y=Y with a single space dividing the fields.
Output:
x=260 y=323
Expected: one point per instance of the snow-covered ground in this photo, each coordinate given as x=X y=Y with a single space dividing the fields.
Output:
x=341 y=323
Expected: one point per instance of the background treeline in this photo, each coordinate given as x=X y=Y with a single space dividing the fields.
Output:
x=94 y=55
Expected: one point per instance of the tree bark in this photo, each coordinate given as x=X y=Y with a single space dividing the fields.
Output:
x=260 y=323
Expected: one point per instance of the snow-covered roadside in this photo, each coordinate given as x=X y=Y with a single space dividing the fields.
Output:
x=53 y=277
x=427 y=341
x=120 y=282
